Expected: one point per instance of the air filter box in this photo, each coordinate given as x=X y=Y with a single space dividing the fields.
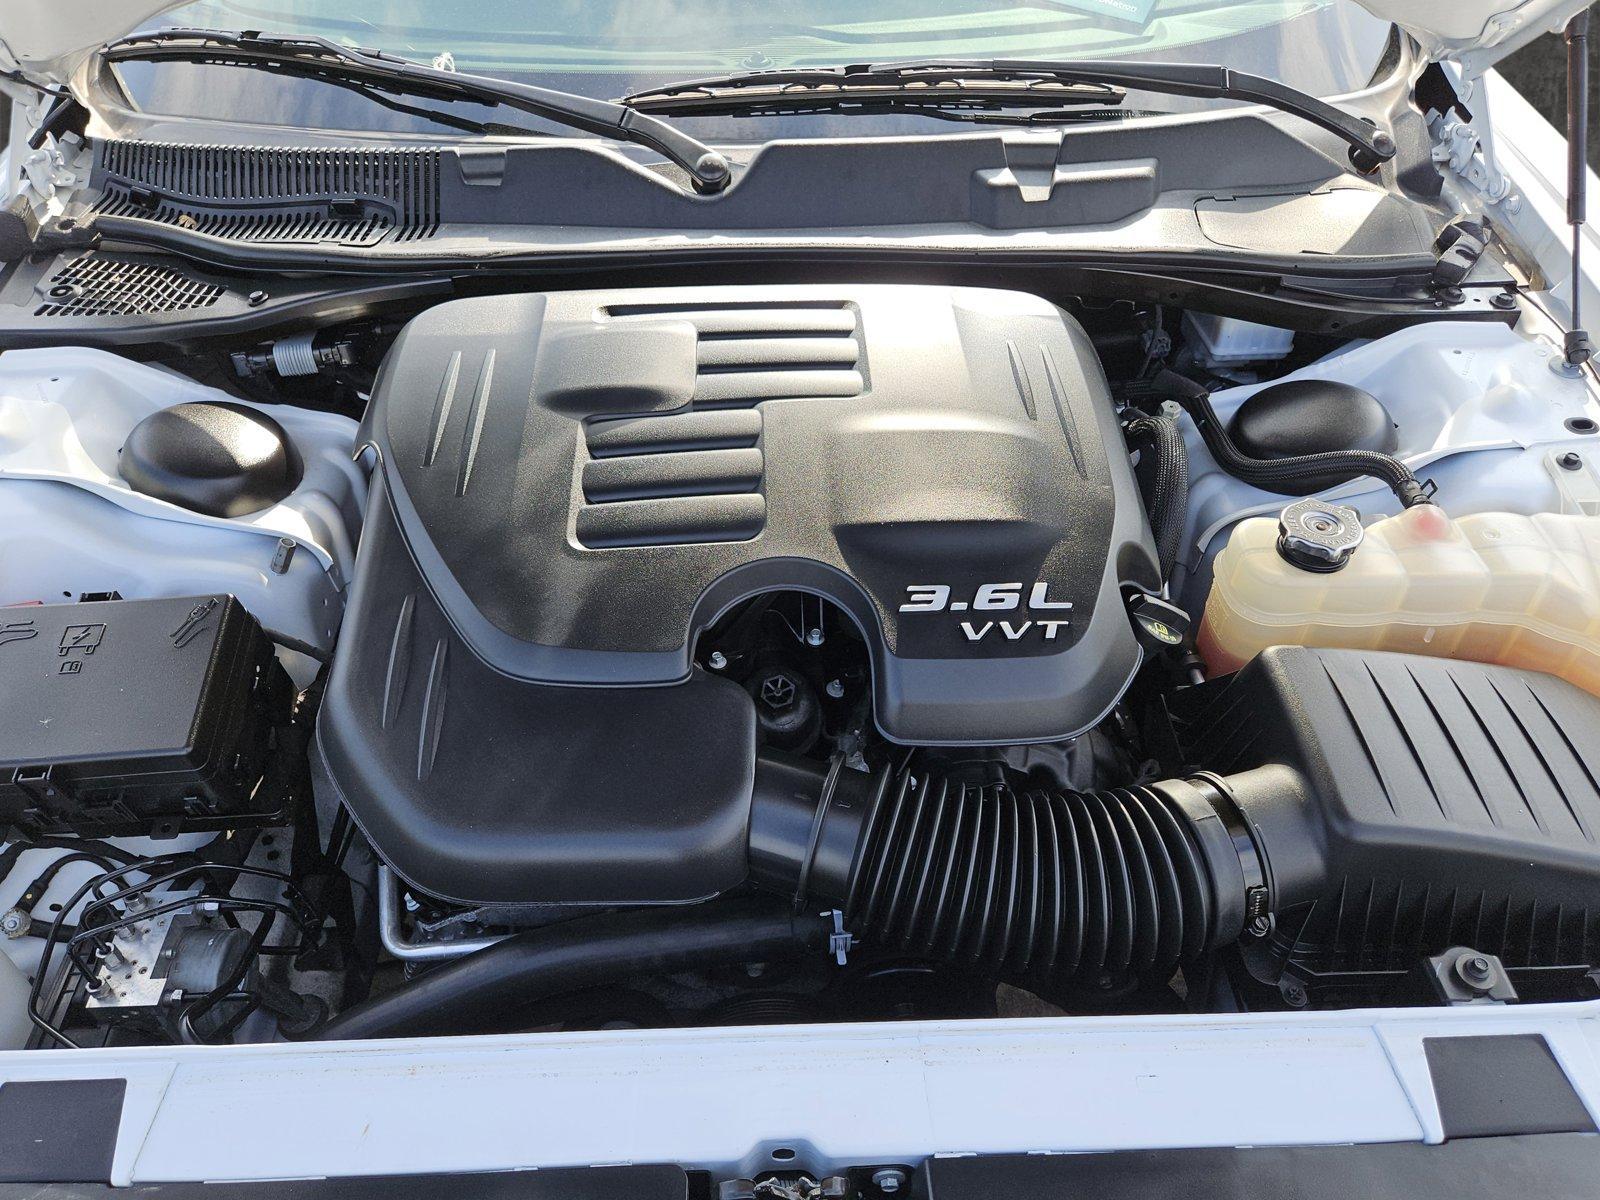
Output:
x=1411 y=804
x=140 y=717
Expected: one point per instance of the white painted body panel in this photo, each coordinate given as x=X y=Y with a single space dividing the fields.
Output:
x=725 y=1099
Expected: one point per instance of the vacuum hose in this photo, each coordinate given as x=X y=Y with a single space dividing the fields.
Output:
x=1169 y=499
x=1272 y=473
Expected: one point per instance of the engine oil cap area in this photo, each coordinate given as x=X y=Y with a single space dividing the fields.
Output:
x=1317 y=536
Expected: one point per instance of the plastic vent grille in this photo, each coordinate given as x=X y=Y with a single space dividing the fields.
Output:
x=274 y=195
x=95 y=286
x=1390 y=925
x=695 y=475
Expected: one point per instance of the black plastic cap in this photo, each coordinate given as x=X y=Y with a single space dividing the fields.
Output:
x=216 y=458
x=1312 y=416
x=1366 y=160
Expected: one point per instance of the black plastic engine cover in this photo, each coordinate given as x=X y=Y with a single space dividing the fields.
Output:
x=587 y=479
x=483 y=789
x=572 y=486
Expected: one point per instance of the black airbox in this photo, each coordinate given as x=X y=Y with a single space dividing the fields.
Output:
x=1412 y=803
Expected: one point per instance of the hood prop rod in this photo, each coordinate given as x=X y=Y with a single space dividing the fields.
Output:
x=1578 y=347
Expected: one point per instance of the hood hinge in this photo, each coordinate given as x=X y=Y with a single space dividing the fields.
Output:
x=1458 y=150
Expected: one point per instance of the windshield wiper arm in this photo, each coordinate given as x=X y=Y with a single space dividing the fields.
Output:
x=707 y=169
x=934 y=80
x=970 y=101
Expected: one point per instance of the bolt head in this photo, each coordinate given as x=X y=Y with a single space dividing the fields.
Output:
x=889 y=1179
x=814 y=637
x=1476 y=971
x=835 y=688
x=713 y=168
x=718 y=660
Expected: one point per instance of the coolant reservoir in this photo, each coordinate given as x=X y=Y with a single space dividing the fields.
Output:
x=1494 y=587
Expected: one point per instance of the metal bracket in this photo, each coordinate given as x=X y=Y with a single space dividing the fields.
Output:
x=1458 y=149
x=1463 y=976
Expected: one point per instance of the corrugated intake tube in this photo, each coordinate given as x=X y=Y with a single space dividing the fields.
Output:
x=1035 y=885
x=1043 y=887
x=1032 y=884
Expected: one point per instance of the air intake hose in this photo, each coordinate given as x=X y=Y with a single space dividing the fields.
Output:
x=1040 y=886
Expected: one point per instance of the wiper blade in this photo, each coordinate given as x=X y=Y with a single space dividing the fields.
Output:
x=374 y=69
x=952 y=101
x=933 y=82
x=979 y=111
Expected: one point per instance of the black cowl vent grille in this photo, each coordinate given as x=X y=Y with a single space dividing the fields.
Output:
x=695 y=474
x=94 y=285
x=262 y=194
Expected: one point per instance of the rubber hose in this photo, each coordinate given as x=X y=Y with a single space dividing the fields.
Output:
x=1034 y=884
x=1169 y=499
x=1270 y=473
x=485 y=990
x=1046 y=887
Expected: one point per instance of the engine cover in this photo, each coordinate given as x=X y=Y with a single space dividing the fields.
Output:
x=589 y=478
x=573 y=485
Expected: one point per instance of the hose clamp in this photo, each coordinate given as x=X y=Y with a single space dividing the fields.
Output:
x=1257 y=885
x=840 y=941
x=830 y=783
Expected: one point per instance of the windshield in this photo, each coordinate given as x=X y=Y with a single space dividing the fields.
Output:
x=606 y=48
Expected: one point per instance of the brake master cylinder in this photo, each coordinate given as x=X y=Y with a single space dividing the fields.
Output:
x=1493 y=587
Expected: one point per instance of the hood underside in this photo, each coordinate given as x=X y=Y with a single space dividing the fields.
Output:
x=50 y=38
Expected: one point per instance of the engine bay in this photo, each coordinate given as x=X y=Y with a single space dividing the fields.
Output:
x=742 y=654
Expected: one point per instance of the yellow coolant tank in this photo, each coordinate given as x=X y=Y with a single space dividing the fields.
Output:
x=1493 y=587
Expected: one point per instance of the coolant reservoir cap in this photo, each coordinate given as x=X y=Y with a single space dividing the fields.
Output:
x=1317 y=536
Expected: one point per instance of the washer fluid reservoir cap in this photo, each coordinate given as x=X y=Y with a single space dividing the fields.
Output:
x=1317 y=536
x=213 y=457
